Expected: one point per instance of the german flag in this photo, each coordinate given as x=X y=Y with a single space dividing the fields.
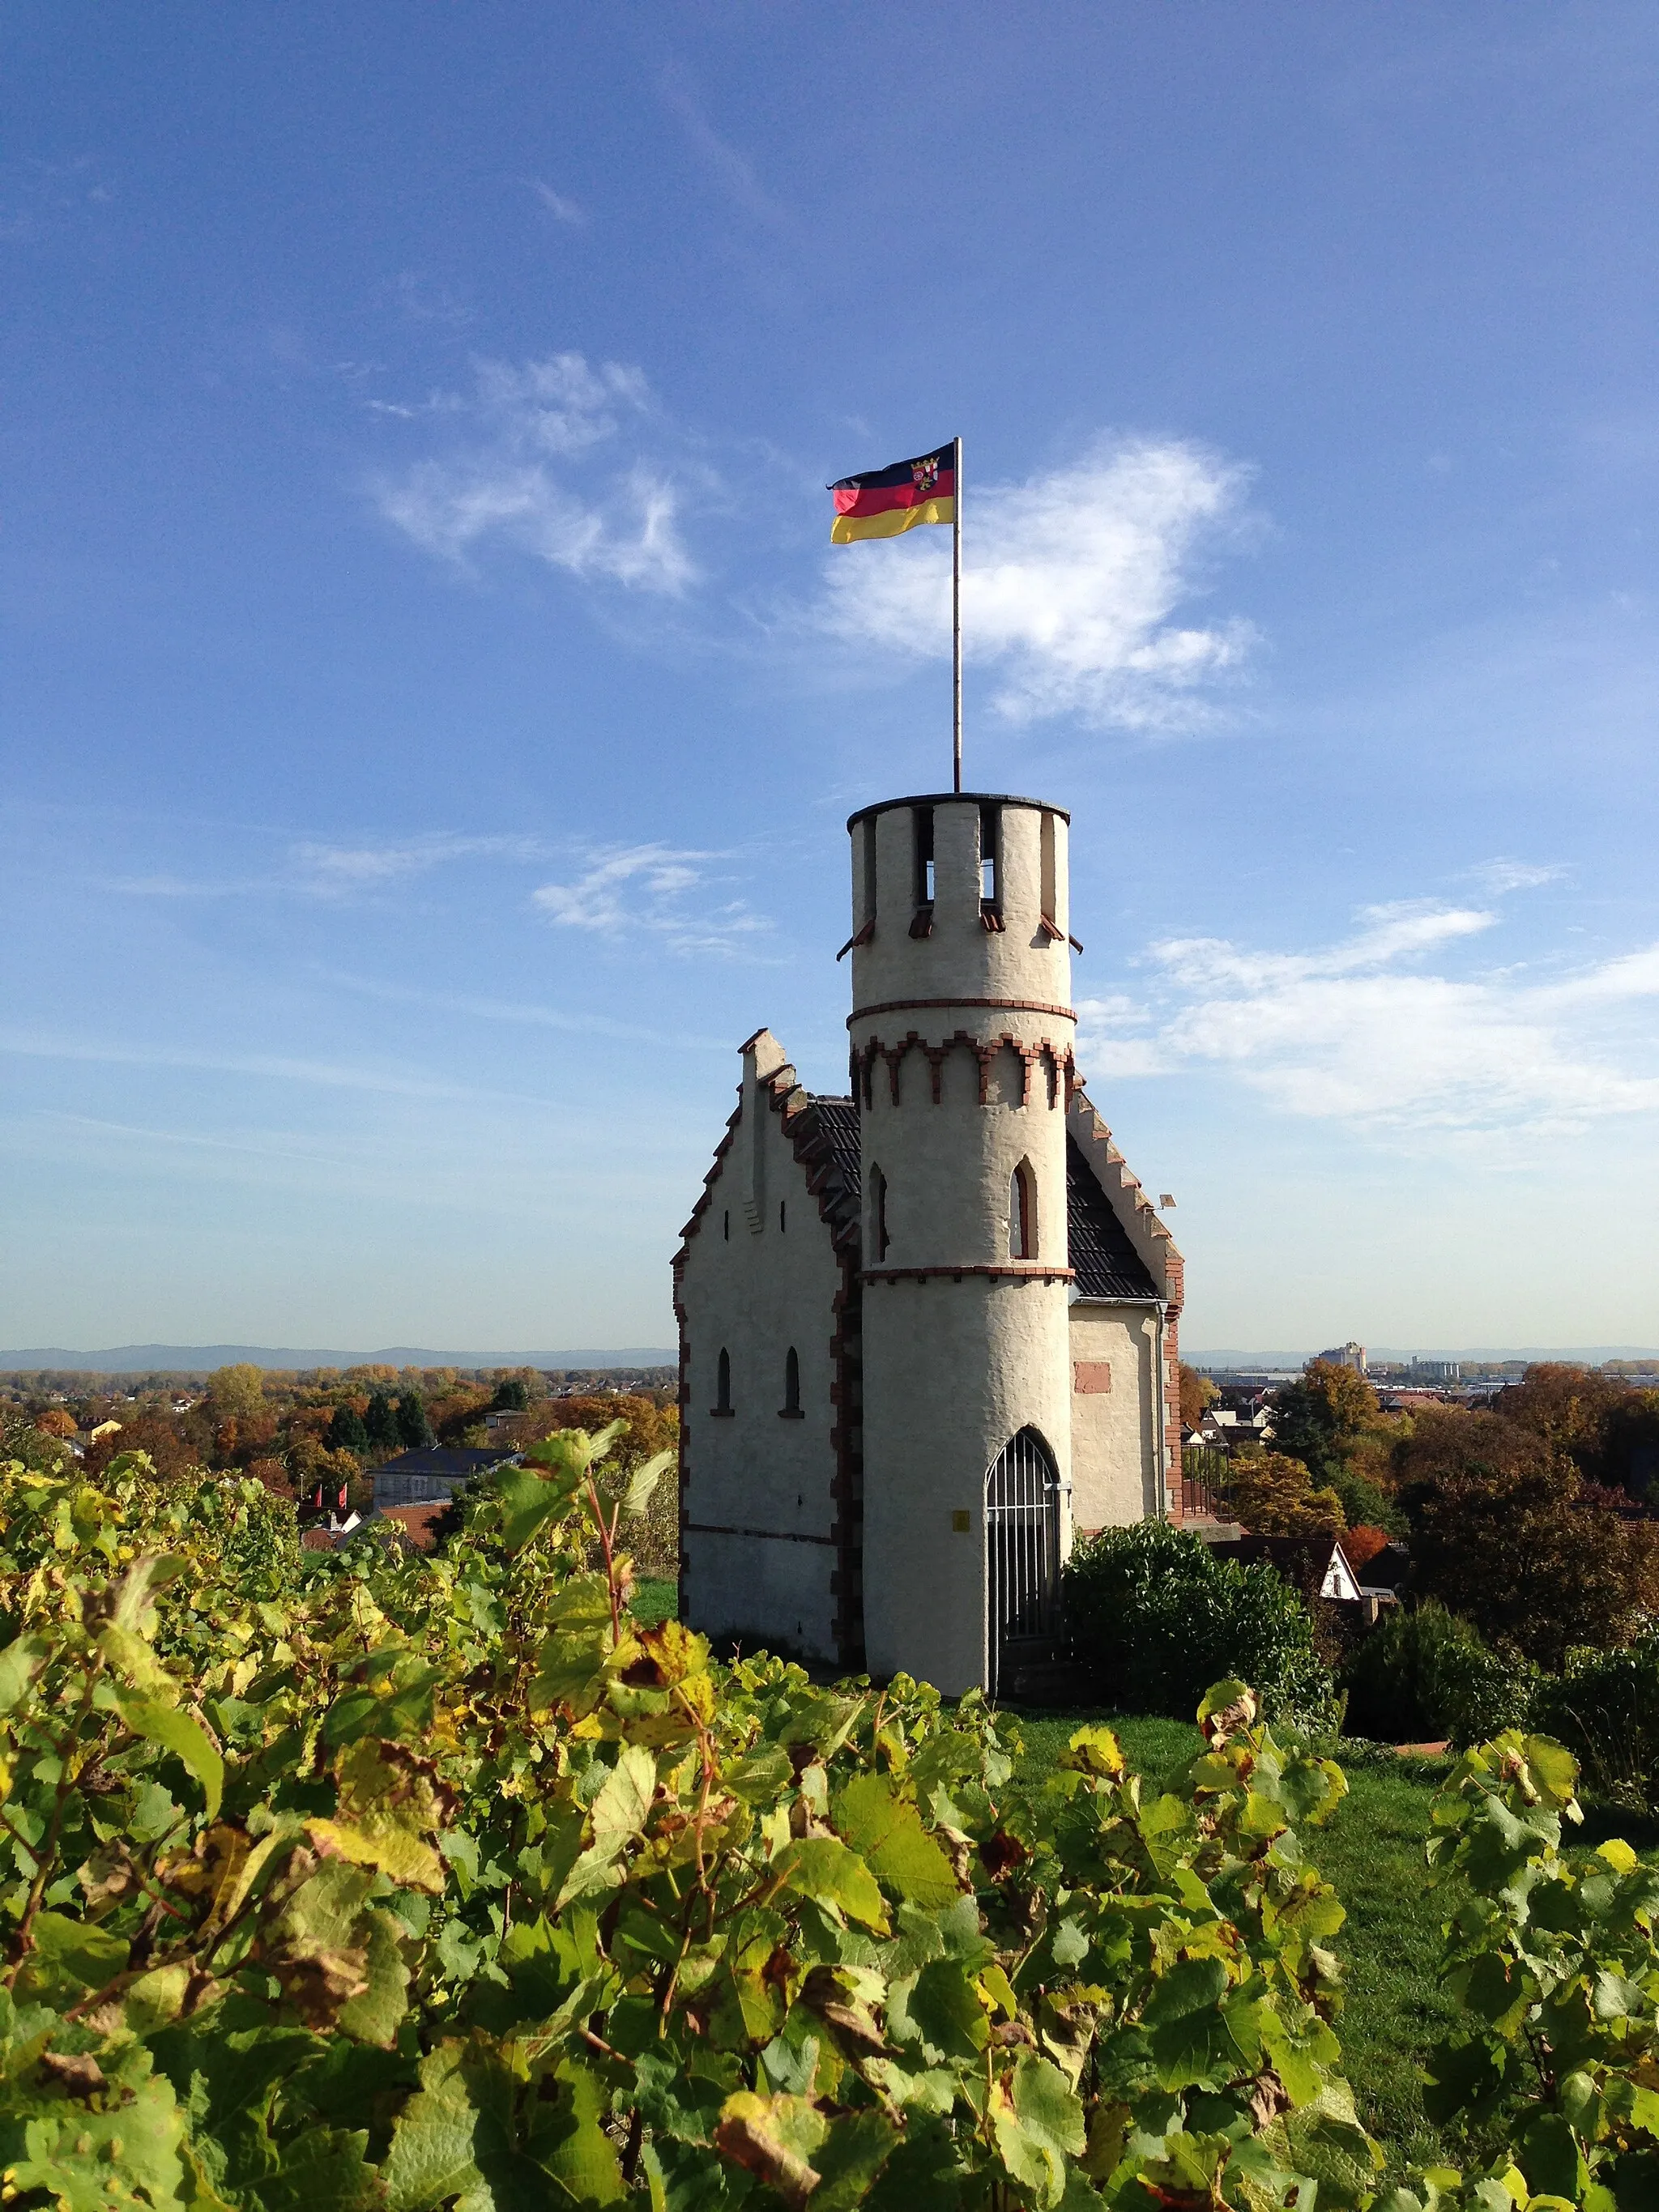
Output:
x=888 y=500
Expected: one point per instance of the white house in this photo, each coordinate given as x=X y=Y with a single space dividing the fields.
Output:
x=927 y=1328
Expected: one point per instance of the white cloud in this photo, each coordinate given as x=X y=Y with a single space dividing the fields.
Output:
x=1071 y=582
x=561 y=209
x=1499 y=876
x=649 y=887
x=1360 y=1032
x=337 y=871
x=501 y=488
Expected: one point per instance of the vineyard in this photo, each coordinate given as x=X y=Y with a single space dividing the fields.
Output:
x=374 y=1879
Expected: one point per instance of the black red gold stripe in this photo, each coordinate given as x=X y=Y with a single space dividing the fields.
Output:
x=884 y=502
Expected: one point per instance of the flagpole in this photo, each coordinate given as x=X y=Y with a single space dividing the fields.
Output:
x=955 y=624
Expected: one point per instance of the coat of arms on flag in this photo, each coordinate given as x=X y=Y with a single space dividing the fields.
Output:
x=887 y=500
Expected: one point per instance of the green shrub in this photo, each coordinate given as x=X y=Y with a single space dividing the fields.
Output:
x=1425 y=1675
x=1605 y=1708
x=1152 y=1616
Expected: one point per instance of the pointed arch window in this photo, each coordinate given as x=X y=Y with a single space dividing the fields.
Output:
x=723 y=1383
x=790 y=1410
x=1022 y=1213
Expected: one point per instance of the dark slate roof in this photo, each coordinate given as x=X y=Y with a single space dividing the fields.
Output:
x=838 y=1118
x=445 y=1459
x=1108 y=1265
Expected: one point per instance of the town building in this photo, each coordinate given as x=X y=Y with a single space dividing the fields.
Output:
x=927 y=1328
x=1350 y=1355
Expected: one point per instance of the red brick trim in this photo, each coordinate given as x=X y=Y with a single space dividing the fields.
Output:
x=1007 y=1005
x=1058 y=1060
x=1020 y=1270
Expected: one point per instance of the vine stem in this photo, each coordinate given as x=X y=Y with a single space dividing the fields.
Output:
x=607 y=1535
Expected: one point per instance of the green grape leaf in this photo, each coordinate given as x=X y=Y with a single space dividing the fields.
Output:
x=185 y=1738
x=823 y=1868
x=887 y=1834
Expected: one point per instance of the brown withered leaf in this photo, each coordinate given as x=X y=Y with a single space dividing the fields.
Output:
x=78 y=2072
x=321 y=1983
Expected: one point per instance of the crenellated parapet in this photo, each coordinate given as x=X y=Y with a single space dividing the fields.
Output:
x=1048 y=1070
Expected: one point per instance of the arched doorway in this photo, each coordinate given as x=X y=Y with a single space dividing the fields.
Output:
x=1022 y=1557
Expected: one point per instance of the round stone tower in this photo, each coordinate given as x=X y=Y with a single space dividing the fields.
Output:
x=961 y=1060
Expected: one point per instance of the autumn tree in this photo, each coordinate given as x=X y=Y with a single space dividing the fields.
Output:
x=1504 y=1533
x=235 y=1393
x=168 y=1442
x=55 y=1422
x=1274 y=1495
x=1330 y=1418
x=1608 y=1429
x=1197 y=1394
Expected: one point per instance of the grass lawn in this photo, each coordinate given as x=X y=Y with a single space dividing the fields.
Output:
x=653 y=1601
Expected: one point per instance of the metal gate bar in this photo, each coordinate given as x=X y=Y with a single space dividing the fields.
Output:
x=1022 y=1542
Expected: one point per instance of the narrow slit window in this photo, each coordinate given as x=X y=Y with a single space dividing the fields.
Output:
x=869 y=840
x=924 y=830
x=783 y=1218
x=792 y=1381
x=727 y=1230
x=990 y=855
x=878 y=1214
x=1022 y=1213
x=723 y=1383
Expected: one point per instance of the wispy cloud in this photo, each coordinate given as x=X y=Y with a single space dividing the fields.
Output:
x=1497 y=877
x=1363 y=1031
x=561 y=209
x=341 y=871
x=654 y=888
x=329 y=1075
x=530 y=423
x=733 y=171
x=1071 y=584
x=525 y=1015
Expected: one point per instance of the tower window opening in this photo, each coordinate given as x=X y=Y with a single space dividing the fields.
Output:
x=727 y=1231
x=792 y=1381
x=924 y=834
x=990 y=855
x=878 y=1239
x=1049 y=871
x=723 y=1383
x=783 y=1218
x=1022 y=1213
x=868 y=902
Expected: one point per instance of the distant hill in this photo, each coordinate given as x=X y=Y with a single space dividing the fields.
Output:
x=1578 y=1355
x=202 y=1359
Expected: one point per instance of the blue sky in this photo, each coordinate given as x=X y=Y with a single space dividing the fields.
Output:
x=431 y=703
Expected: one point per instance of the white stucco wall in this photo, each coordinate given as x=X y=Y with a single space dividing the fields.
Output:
x=1113 y=1431
x=955 y=1364
x=755 y=1289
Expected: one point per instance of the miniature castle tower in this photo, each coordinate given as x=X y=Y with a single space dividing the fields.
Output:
x=963 y=1069
x=913 y=1317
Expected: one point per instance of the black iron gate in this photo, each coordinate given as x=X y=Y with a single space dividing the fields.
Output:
x=1022 y=1548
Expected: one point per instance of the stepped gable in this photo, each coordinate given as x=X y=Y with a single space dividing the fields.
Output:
x=1106 y=1263
x=823 y=1132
